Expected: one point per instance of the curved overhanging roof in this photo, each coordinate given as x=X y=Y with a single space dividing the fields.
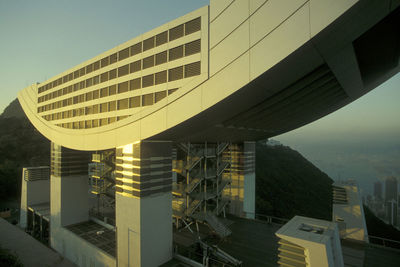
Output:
x=259 y=77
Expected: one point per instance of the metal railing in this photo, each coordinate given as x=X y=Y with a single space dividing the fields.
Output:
x=265 y=218
x=387 y=243
x=198 y=257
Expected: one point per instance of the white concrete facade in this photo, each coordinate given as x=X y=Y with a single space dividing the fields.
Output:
x=241 y=42
x=318 y=238
x=33 y=192
x=144 y=204
x=351 y=215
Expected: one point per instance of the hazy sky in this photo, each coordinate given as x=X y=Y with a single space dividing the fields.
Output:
x=40 y=39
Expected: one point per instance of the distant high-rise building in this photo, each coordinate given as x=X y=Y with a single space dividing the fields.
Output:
x=391 y=200
x=391 y=212
x=391 y=189
x=378 y=190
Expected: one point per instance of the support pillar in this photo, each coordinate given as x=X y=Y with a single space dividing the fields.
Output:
x=68 y=192
x=144 y=203
x=249 y=202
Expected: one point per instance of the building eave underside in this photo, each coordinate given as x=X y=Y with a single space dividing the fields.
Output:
x=273 y=104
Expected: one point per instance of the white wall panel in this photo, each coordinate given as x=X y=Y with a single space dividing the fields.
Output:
x=324 y=12
x=285 y=39
x=269 y=16
x=232 y=17
x=217 y=6
x=230 y=48
x=226 y=82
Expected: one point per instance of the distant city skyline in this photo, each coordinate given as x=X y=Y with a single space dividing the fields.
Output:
x=360 y=141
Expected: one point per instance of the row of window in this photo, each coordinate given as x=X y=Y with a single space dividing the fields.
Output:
x=154 y=41
x=87 y=124
x=126 y=103
x=160 y=58
x=186 y=71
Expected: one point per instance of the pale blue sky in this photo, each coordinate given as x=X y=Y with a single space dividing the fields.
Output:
x=42 y=38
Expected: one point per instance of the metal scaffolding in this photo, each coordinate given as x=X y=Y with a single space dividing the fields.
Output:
x=201 y=180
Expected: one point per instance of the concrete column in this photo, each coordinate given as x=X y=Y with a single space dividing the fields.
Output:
x=144 y=204
x=249 y=158
x=35 y=189
x=68 y=192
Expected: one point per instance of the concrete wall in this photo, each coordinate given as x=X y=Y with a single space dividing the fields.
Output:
x=249 y=203
x=144 y=229
x=144 y=204
x=352 y=214
x=79 y=251
x=32 y=192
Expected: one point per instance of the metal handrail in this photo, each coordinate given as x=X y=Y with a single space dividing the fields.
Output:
x=385 y=242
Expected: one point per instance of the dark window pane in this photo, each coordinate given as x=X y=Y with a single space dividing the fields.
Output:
x=148 y=43
x=134 y=102
x=96 y=79
x=104 y=92
x=161 y=77
x=124 y=70
x=135 y=84
x=96 y=94
x=123 y=87
x=104 y=62
x=113 y=58
x=171 y=91
x=176 y=32
x=89 y=82
x=112 y=105
x=148 y=62
x=136 y=49
x=148 y=80
x=123 y=103
x=123 y=54
x=104 y=107
x=104 y=77
x=112 y=90
x=192 y=48
x=161 y=38
x=136 y=66
x=175 y=74
x=159 y=95
x=175 y=53
x=76 y=74
x=147 y=100
x=89 y=68
x=193 y=26
x=82 y=72
x=96 y=65
x=112 y=74
x=192 y=69
x=161 y=58
x=89 y=96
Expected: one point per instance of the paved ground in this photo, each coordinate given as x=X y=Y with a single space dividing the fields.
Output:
x=252 y=242
x=31 y=252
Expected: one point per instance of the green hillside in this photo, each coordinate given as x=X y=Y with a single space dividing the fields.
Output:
x=21 y=145
x=287 y=184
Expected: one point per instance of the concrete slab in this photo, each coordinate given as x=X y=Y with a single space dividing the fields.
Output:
x=30 y=251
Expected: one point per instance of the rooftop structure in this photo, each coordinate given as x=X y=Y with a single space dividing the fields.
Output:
x=348 y=211
x=167 y=121
x=309 y=242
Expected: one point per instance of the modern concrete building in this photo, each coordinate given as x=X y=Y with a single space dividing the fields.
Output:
x=192 y=96
x=309 y=242
x=378 y=190
x=391 y=195
x=348 y=211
